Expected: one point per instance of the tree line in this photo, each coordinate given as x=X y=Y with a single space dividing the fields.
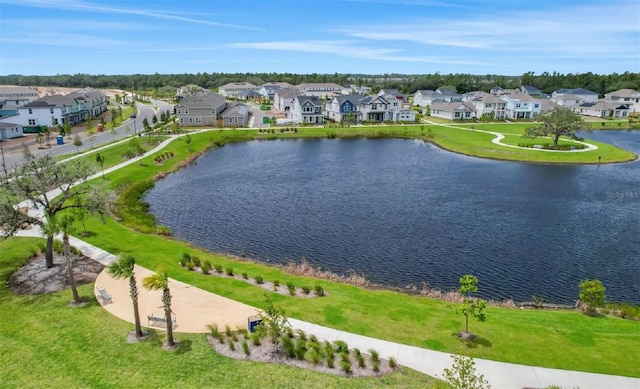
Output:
x=462 y=83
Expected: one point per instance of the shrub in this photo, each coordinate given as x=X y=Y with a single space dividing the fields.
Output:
x=301 y=348
x=289 y=332
x=375 y=365
x=393 y=363
x=292 y=288
x=319 y=290
x=164 y=230
x=227 y=330
x=213 y=329
x=345 y=366
x=306 y=290
x=205 y=268
x=328 y=348
x=313 y=357
x=218 y=268
x=340 y=346
x=312 y=338
x=301 y=335
x=255 y=338
x=356 y=352
x=345 y=356
x=374 y=355
x=189 y=265
x=361 y=362
x=287 y=346
x=196 y=261
x=245 y=276
x=229 y=272
x=330 y=361
x=276 y=284
x=186 y=257
x=259 y=280
x=245 y=348
x=232 y=346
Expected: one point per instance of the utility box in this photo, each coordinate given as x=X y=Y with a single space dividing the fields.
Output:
x=253 y=323
x=60 y=139
x=100 y=128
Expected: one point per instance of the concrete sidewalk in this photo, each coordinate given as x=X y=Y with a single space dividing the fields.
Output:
x=499 y=374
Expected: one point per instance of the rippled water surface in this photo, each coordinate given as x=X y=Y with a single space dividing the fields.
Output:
x=404 y=212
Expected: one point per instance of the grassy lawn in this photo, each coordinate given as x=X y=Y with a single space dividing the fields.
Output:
x=563 y=339
x=45 y=343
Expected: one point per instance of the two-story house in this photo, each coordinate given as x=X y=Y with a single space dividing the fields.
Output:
x=625 y=96
x=486 y=104
x=202 y=109
x=307 y=109
x=17 y=96
x=320 y=89
x=567 y=100
x=394 y=92
x=424 y=98
x=342 y=109
x=283 y=100
x=602 y=109
x=584 y=94
x=374 y=109
x=521 y=106
x=233 y=89
x=530 y=90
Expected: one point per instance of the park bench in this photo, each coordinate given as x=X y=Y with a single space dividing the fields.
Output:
x=104 y=295
x=160 y=320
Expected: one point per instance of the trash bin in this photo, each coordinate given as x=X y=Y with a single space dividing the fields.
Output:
x=253 y=323
x=60 y=139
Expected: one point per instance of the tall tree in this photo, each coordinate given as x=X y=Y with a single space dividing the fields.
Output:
x=556 y=123
x=49 y=187
x=160 y=280
x=124 y=268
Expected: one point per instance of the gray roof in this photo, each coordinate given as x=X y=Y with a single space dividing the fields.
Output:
x=203 y=100
x=9 y=125
x=393 y=92
x=249 y=93
x=238 y=110
x=353 y=98
x=315 y=100
x=288 y=93
x=531 y=89
x=453 y=106
x=576 y=91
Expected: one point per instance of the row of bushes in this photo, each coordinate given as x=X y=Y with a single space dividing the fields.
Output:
x=192 y=262
x=549 y=146
x=160 y=158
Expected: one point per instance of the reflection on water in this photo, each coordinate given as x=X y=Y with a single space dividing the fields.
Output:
x=403 y=212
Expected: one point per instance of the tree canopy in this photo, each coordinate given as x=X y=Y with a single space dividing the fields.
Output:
x=556 y=123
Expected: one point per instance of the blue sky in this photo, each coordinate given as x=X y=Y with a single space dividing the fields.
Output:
x=507 y=37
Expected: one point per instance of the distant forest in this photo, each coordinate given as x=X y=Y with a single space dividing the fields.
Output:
x=167 y=83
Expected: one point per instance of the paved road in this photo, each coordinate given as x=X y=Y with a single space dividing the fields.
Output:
x=126 y=129
x=258 y=115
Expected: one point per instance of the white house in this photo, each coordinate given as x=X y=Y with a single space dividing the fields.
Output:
x=283 y=99
x=307 y=109
x=567 y=100
x=625 y=96
x=521 y=106
x=321 y=89
x=486 y=104
x=584 y=94
x=423 y=98
x=234 y=89
x=603 y=109
x=10 y=130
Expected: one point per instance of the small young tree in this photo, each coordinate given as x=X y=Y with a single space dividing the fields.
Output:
x=462 y=374
x=592 y=294
x=471 y=306
x=100 y=160
x=124 y=268
x=77 y=142
x=92 y=136
x=274 y=322
x=65 y=224
x=156 y=281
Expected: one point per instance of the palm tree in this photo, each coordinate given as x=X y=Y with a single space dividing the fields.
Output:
x=65 y=224
x=156 y=281
x=123 y=268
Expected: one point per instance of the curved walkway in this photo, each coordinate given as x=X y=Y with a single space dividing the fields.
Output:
x=499 y=137
x=196 y=308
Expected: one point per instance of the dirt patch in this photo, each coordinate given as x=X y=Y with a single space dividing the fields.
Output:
x=35 y=278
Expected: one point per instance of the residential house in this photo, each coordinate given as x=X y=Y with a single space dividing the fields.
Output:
x=424 y=98
x=486 y=104
x=267 y=91
x=584 y=94
x=236 y=115
x=567 y=100
x=322 y=89
x=394 y=92
x=249 y=94
x=453 y=110
x=374 y=108
x=234 y=89
x=75 y=107
x=10 y=130
x=530 y=90
x=283 y=100
x=625 y=96
x=189 y=90
x=17 y=95
x=398 y=110
x=602 y=109
x=496 y=90
x=307 y=109
x=521 y=106
x=351 y=89
x=342 y=109
x=203 y=109
x=94 y=100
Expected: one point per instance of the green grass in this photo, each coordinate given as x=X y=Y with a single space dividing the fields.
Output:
x=45 y=343
x=566 y=340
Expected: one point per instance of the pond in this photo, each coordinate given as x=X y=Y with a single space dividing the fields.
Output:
x=403 y=212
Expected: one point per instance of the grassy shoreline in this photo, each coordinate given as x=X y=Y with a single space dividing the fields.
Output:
x=517 y=336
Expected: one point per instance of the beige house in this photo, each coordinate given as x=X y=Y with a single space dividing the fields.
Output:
x=235 y=89
x=453 y=110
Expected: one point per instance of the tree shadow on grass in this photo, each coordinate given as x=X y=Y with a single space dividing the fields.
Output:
x=184 y=347
x=474 y=342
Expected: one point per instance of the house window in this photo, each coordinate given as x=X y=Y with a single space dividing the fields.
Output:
x=51 y=110
x=30 y=111
x=190 y=120
x=179 y=111
x=32 y=122
x=457 y=114
x=517 y=105
x=347 y=108
x=467 y=114
x=186 y=111
x=536 y=105
x=181 y=120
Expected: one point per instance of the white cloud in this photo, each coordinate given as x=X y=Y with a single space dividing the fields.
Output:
x=66 y=40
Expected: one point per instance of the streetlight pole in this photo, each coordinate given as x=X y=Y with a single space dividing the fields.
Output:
x=4 y=164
